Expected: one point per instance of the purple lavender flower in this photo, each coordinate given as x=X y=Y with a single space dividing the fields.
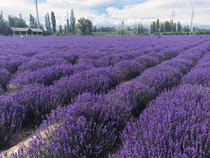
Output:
x=11 y=117
x=87 y=128
x=174 y=125
x=5 y=77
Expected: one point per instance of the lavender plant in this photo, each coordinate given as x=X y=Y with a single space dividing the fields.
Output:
x=200 y=74
x=44 y=76
x=37 y=101
x=5 y=77
x=95 y=81
x=85 y=129
x=174 y=125
x=129 y=69
x=11 y=117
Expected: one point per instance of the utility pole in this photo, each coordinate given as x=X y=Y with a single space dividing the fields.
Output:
x=172 y=20
x=191 y=26
x=173 y=15
x=37 y=13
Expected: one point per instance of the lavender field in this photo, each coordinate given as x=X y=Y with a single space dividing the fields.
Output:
x=111 y=96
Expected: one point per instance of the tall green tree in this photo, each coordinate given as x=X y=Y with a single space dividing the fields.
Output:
x=4 y=28
x=72 y=21
x=65 y=29
x=53 y=21
x=167 y=26
x=174 y=27
x=171 y=25
x=67 y=26
x=153 y=27
x=135 y=29
x=122 y=28
x=158 y=25
x=32 y=22
x=138 y=29
x=85 y=26
x=1 y=15
x=162 y=28
x=60 y=29
x=48 y=23
x=11 y=21
x=179 y=27
x=94 y=29
x=16 y=22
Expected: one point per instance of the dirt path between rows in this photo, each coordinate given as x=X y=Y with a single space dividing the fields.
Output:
x=22 y=137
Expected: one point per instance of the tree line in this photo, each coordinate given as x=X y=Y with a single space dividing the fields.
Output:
x=84 y=26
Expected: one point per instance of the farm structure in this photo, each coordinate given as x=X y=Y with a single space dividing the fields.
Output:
x=26 y=31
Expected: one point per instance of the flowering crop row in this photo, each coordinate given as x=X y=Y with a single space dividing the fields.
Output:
x=152 y=81
x=174 y=125
x=45 y=72
x=200 y=74
x=39 y=100
x=91 y=125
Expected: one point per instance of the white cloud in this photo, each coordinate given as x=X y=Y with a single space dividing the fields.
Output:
x=132 y=11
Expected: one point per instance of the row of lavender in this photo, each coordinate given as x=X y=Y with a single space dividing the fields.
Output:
x=36 y=59
x=62 y=56
x=37 y=100
x=91 y=125
x=200 y=74
x=176 y=124
x=47 y=75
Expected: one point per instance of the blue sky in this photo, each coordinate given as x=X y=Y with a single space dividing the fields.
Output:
x=112 y=12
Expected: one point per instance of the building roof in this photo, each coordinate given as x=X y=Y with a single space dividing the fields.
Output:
x=25 y=29
x=35 y=29
x=19 y=29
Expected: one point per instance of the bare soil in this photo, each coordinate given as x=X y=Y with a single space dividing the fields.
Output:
x=20 y=138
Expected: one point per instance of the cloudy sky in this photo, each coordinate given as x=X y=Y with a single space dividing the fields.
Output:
x=112 y=12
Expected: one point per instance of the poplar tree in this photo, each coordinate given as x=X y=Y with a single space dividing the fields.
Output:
x=72 y=21
x=53 y=20
x=60 y=29
x=47 y=22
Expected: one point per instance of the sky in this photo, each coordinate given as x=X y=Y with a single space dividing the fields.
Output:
x=112 y=12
